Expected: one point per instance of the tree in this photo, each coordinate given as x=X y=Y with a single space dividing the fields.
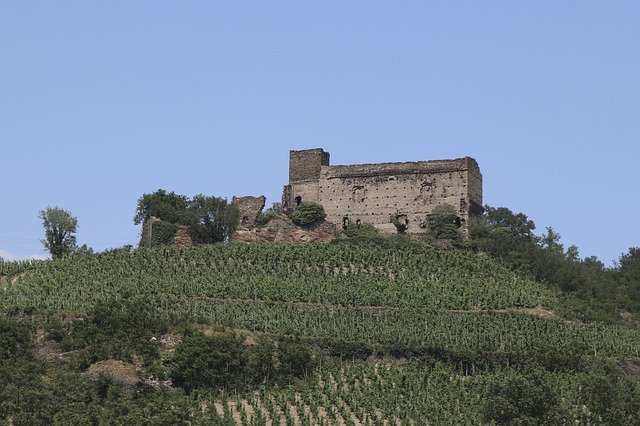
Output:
x=59 y=229
x=628 y=273
x=166 y=206
x=551 y=242
x=210 y=219
x=611 y=397
x=213 y=218
x=519 y=224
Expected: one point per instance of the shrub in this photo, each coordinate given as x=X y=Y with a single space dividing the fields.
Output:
x=361 y=230
x=15 y=339
x=295 y=359
x=208 y=362
x=348 y=349
x=611 y=397
x=444 y=222
x=265 y=217
x=308 y=213
x=522 y=400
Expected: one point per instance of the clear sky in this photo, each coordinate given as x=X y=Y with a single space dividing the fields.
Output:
x=101 y=102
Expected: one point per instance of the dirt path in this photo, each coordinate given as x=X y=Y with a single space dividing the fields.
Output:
x=537 y=311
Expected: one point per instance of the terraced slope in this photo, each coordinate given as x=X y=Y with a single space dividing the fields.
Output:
x=414 y=296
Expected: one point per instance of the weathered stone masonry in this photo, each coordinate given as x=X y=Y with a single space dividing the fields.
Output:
x=373 y=192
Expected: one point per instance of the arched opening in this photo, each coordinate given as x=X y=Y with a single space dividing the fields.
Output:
x=298 y=200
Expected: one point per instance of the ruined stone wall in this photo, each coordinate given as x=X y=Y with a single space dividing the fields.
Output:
x=305 y=165
x=249 y=208
x=373 y=192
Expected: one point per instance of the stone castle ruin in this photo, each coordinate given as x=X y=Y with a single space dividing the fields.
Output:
x=387 y=195
x=375 y=193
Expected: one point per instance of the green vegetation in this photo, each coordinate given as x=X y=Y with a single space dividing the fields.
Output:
x=308 y=213
x=59 y=231
x=444 y=223
x=209 y=219
x=506 y=328
x=593 y=292
x=361 y=231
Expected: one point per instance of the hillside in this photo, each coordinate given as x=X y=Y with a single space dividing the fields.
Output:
x=398 y=332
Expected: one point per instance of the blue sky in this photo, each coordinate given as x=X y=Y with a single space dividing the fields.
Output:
x=101 y=102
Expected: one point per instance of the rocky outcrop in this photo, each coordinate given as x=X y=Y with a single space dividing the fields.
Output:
x=281 y=229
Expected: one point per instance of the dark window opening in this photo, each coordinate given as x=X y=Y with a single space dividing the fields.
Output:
x=345 y=222
x=298 y=200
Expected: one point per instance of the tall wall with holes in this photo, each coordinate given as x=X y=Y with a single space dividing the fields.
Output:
x=374 y=192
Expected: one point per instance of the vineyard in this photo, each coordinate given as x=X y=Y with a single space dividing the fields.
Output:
x=394 y=301
x=416 y=296
x=365 y=394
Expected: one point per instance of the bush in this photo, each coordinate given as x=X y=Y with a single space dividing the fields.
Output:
x=359 y=231
x=611 y=397
x=265 y=217
x=294 y=358
x=208 y=362
x=348 y=349
x=15 y=339
x=272 y=212
x=444 y=222
x=526 y=400
x=308 y=213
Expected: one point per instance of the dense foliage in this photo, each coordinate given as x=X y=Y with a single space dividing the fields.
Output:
x=444 y=222
x=59 y=231
x=209 y=219
x=594 y=291
x=307 y=213
x=360 y=230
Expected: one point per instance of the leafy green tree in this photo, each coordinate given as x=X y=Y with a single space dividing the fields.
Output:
x=213 y=219
x=166 y=206
x=295 y=359
x=518 y=223
x=551 y=242
x=307 y=213
x=628 y=274
x=59 y=230
x=210 y=219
